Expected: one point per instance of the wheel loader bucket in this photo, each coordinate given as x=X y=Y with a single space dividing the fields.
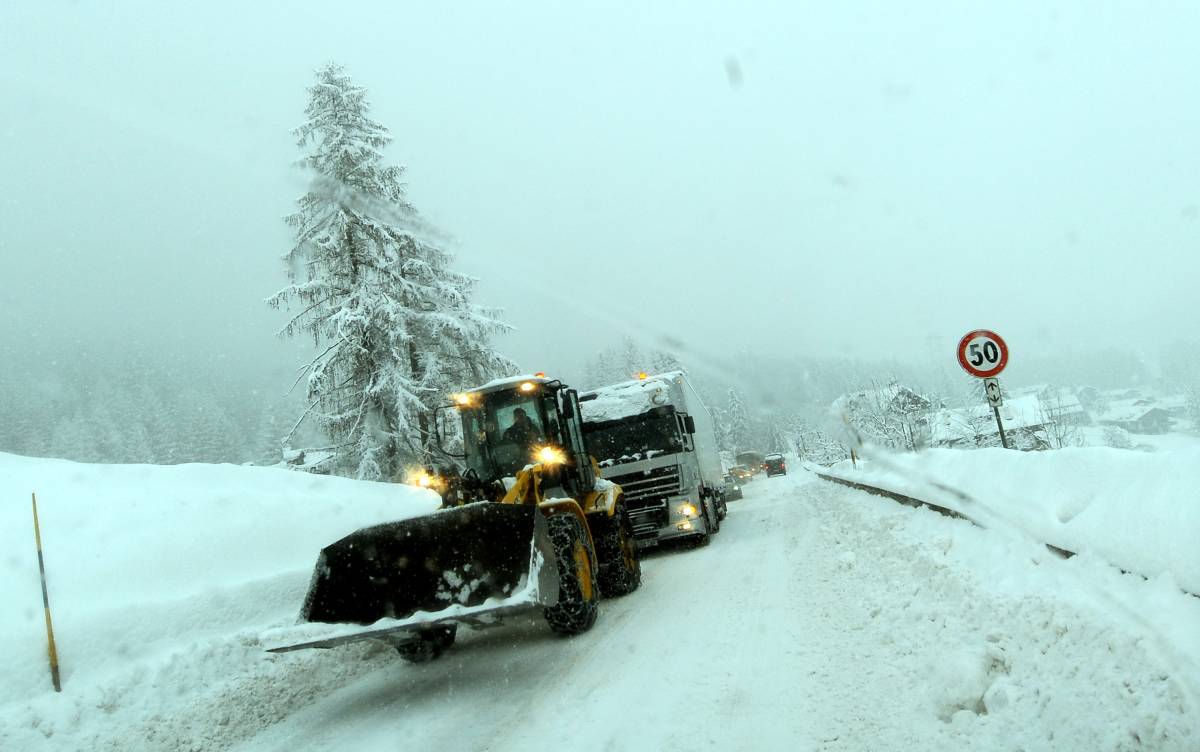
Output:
x=470 y=556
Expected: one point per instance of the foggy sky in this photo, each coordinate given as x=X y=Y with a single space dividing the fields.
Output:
x=865 y=180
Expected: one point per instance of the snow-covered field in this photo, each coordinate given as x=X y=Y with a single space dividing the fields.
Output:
x=819 y=618
x=160 y=578
x=1139 y=511
x=1182 y=437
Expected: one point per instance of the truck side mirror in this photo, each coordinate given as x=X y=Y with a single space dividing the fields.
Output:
x=689 y=424
x=568 y=404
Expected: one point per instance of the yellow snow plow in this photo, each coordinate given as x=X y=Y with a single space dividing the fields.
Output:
x=526 y=523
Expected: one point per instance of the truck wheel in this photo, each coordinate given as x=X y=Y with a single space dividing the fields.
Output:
x=722 y=507
x=578 y=590
x=617 y=551
x=702 y=539
x=428 y=644
x=711 y=516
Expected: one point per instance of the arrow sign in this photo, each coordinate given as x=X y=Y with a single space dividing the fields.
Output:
x=992 y=388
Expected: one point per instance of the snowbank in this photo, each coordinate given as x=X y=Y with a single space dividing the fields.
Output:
x=1136 y=510
x=145 y=561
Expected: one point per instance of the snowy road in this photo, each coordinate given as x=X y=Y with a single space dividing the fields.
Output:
x=819 y=618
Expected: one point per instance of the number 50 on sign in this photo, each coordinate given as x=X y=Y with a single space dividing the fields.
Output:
x=982 y=353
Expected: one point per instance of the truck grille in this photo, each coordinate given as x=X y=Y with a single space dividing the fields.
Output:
x=647 y=517
x=655 y=484
x=646 y=494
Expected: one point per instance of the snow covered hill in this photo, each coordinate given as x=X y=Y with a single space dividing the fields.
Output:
x=160 y=578
x=819 y=618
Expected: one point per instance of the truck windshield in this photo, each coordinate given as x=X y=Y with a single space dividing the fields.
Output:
x=638 y=437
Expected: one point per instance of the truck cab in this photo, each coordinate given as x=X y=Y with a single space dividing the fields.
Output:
x=655 y=439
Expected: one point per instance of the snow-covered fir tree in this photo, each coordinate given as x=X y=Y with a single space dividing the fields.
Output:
x=1193 y=407
x=394 y=325
x=606 y=367
x=662 y=361
x=777 y=436
x=738 y=424
x=631 y=357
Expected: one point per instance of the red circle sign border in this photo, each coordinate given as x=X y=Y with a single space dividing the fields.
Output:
x=962 y=353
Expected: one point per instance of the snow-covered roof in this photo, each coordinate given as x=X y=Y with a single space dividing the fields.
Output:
x=1173 y=402
x=495 y=384
x=883 y=397
x=306 y=459
x=1021 y=412
x=948 y=426
x=1062 y=403
x=1126 y=410
x=626 y=398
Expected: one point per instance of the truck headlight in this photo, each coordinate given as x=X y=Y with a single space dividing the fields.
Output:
x=687 y=509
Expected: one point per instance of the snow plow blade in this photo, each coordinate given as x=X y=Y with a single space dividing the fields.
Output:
x=469 y=564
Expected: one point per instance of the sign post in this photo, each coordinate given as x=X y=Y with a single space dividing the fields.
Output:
x=51 y=650
x=984 y=354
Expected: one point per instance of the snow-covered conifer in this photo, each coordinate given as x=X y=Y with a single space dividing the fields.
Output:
x=631 y=357
x=394 y=324
x=662 y=361
x=738 y=422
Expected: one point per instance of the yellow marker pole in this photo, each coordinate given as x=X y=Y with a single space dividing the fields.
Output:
x=51 y=650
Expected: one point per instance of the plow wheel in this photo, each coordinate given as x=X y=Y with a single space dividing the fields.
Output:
x=578 y=589
x=428 y=644
x=617 y=550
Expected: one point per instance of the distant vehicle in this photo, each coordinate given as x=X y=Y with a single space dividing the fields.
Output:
x=774 y=464
x=733 y=488
x=654 y=437
x=752 y=460
x=742 y=473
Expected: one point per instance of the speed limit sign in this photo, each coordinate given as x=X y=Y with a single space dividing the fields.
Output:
x=982 y=353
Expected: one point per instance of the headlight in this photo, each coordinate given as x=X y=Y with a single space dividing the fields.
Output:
x=422 y=479
x=687 y=509
x=550 y=455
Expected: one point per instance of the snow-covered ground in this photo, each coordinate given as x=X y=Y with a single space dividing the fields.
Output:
x=160 y=578
x=1182 y=437
x=1136 y=510
x=819 y=618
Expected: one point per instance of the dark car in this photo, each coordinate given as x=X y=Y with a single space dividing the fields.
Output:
x=733 y=488
x=773 y=464
x=741 y=474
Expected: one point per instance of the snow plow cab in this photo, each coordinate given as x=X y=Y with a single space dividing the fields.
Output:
x=526 y=523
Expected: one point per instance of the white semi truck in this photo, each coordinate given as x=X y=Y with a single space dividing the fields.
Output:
x=654 y=437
